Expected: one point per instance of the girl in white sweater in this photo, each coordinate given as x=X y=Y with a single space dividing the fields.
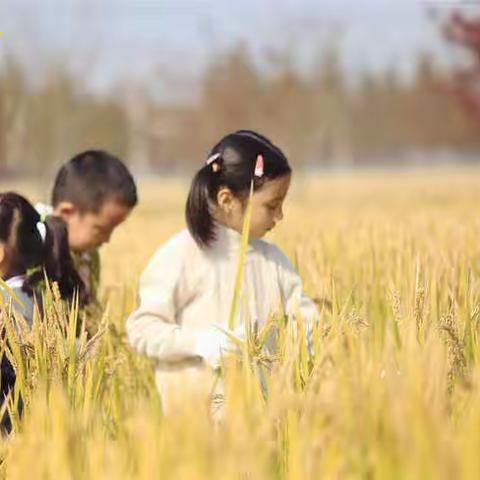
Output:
x=186 y=291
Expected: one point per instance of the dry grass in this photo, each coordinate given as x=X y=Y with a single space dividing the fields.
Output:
x=393 y=391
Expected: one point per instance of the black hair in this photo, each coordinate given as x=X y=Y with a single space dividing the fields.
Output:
x=232 y=165
x=35 y=256
x=91 y=178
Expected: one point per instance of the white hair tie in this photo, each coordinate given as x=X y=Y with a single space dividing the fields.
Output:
x=42 y=230
x=214 y=162
x=212 y=158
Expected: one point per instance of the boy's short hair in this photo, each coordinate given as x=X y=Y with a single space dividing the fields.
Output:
x=91 y=178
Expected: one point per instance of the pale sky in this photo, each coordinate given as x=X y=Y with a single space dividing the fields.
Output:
x=172 y=40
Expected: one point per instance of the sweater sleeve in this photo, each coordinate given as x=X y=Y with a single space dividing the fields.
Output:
x=163 y=290
x=295 y=301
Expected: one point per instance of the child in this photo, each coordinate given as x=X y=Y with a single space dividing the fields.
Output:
x=185 y=293
x=93 y=193
x=30 y=249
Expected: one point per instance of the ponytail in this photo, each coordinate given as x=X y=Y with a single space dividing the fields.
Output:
x=198 y=213
x=58 y=264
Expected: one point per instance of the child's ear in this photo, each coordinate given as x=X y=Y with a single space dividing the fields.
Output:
x=65 y=210
x=225 y=199
x=2 y=253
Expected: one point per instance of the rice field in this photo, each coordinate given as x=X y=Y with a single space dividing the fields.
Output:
x=393 y=389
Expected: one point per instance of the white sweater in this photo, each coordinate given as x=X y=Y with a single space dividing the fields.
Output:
x=185 y=290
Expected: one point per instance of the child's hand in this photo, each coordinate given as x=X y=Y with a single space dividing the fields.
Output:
x=216 y=341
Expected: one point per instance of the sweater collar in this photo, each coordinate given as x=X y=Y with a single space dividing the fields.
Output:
x=16 y=281
x=228 y=240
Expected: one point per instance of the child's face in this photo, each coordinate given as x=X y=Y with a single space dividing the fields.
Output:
x=90 y=230
x=267 y=203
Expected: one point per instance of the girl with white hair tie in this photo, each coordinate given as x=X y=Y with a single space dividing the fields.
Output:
x=31 y=248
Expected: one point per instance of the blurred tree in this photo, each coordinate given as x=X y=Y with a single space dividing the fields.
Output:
x=287 y=109
x=12 y=88
x=465 y=84
x=319 y=115
x=331 y=98
x=231 y=93
x=42 y=126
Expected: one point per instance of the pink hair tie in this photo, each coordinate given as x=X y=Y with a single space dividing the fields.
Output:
x=259 y=167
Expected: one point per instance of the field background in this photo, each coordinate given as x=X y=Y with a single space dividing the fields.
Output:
x=394 y=388
x=377 y=106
